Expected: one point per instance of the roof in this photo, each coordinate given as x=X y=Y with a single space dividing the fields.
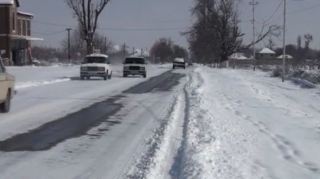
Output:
x=10 y=2
x=267 y=51
x=238 y=56
x=26 y=38
x=6 y=1
x=98 y=55
x=287 y=57
x=24 y=13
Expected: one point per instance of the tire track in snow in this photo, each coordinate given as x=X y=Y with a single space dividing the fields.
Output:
x=142 y=167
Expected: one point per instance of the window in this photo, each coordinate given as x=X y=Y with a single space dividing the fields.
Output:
x=28 y=28
x=95 y=60
x=19 y=26
x=24 y=27
x=1 y=65
x=135 y=60
x=13 y=21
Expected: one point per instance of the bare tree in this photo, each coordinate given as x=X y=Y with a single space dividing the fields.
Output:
x=162 y=50
x=308 y=38
x=272 y=31
x=216 y=34
x=87 y=13
x=271 y=44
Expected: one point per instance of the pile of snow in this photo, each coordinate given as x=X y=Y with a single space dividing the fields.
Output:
x=30 y=76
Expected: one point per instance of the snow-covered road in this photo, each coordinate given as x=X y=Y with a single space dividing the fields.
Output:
x=195 y=123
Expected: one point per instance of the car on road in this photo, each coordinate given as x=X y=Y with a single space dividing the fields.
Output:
x=96 y=65
x=179 y=63
x=135 y=66
x=6 y=88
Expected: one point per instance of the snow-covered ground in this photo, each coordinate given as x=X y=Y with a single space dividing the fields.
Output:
x=196 y=123
x=243 y=124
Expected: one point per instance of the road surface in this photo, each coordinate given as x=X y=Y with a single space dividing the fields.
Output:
x=195 y=123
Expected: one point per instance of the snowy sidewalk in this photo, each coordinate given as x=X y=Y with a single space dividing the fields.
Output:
x=245 y=125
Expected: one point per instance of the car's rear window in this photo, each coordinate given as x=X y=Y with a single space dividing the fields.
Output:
x=134 y=60
x=95 y=60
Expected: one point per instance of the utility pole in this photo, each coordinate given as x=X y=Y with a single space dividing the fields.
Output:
x=253 y=4
x=105 y=45
x=284 y=40
x=141 y=51
x=124 y=50
x=69 y=53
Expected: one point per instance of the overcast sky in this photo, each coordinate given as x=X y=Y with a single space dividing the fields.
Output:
x=163 y=15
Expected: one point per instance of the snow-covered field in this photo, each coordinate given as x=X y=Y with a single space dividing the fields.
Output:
x=196 y=123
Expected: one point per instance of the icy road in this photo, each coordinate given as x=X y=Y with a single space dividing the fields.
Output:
x=195 y=123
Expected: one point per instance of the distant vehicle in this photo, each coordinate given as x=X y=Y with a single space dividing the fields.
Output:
x=179 y=63
x=6 y=88
x=134 y=66
x=96 y=65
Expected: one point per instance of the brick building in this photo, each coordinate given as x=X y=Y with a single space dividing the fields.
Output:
x=15 y=33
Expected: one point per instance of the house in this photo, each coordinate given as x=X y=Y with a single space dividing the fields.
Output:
x=266 y=53
x=238 y=56
x=15 y=33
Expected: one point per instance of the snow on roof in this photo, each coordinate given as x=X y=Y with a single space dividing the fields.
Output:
x=238 y=56
x=179 y=60
x=287 y=57
x=98 y=55
x=6 y=1
x=24 y=13
x=267 y=51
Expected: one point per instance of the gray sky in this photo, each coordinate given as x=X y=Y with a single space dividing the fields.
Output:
x=164 y=14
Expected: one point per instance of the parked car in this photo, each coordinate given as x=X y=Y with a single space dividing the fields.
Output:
x=96 y=65
x=135 y=66
x=6 y=88
x=179 y=63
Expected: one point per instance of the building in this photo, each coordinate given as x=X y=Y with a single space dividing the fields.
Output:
x=15 y=33
x=266 y=53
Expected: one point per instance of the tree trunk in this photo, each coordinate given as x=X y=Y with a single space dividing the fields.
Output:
x=89 y=47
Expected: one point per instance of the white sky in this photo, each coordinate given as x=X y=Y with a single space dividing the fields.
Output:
x=165 y=14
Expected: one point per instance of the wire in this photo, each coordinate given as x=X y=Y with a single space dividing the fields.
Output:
x=54 y=33
x=306 y=9
x=274 y=11
x=116 y=29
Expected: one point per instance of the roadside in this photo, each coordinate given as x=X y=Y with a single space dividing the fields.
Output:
x=246 y=125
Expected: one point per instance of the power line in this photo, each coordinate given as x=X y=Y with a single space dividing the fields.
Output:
x=274 y=11
x=306 y=9
x=117 y=29
x=54 y=33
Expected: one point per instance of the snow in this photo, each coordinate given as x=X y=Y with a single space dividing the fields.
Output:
x=246 y=125
x=25 y=13
x=287 y=57
x=36 y=76
x=6 y=1
x=179 y=60
x=88 y=156
x=266 y=51
x=238 y=56
x=217 y=123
